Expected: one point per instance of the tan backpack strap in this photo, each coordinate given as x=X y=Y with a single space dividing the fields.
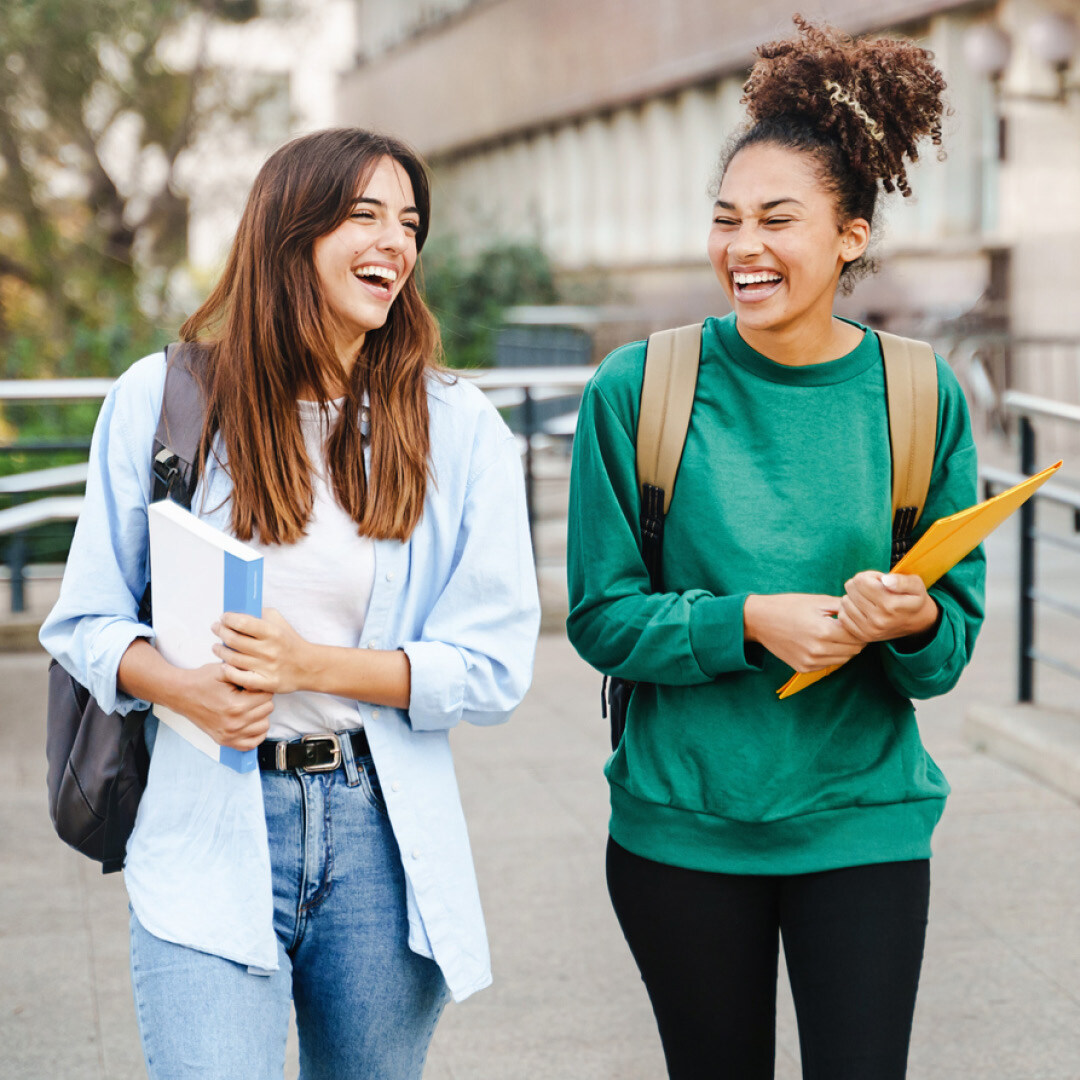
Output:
x=667 y=399
x=912 y=393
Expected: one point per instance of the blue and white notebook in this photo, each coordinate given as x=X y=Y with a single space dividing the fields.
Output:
x=198 y=573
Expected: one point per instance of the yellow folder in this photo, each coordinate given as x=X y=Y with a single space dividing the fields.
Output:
x=943 y=545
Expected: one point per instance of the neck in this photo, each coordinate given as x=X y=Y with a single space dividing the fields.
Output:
x=808 y=341
x=338 y=383
x=348 y=351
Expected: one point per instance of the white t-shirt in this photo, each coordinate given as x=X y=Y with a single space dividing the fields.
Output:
x=321 y=585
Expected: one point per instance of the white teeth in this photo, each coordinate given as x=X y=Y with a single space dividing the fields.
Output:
x=377 y=271
x=755 y=279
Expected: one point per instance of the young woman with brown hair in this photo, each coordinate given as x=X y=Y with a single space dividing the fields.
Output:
x=737 y=817
x=400 y=598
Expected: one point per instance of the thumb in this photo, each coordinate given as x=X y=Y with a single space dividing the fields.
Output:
x=902 y=583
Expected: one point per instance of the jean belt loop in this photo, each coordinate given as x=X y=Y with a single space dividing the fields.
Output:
x=348 y=762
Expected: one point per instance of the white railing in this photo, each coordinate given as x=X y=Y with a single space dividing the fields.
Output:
x=568 y=377
x=54 y=389
x=1028 y=408
x=505 y=387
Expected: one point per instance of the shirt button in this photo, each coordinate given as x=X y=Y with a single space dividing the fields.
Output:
x=396 y=785
x=372 y=644
x=374 y=714
x=416 y=853
x=389 y=575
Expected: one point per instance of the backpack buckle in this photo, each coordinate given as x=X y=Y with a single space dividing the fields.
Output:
x=166 y=469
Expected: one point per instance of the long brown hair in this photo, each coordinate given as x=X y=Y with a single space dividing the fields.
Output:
x=268 y=333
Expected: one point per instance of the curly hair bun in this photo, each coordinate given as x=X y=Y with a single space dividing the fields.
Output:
x=878 y=98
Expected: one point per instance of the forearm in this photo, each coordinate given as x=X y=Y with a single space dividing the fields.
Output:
x=144 y=673
x=229 y=714
x=677 y=639
x=377 y=676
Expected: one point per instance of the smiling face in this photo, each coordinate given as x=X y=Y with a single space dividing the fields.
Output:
x=363 y=264
x=776 y=245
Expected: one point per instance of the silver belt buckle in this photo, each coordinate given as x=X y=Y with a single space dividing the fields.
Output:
x=335 y=759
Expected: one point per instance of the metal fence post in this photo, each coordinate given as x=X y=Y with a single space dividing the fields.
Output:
x=1026 y=627
x=16 y=560
x=528 y=421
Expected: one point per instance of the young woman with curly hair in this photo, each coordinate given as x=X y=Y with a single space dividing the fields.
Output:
x=738 y=818
x=387 y=500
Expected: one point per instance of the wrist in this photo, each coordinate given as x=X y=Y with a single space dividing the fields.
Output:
x=750 y=611
x=927 y=618
x=311 y=668
x=170 y=691
x=923 y=630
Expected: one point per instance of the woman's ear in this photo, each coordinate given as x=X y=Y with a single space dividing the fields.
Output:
x=854 y=239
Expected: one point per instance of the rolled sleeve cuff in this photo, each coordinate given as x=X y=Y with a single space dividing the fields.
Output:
x=437 y=684
x=109 y=645
x=927 y=663
x=717 y=636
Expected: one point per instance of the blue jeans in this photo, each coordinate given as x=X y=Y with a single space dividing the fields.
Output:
x=366 y=1006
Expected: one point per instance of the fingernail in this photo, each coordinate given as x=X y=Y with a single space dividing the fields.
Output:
x=888 y=580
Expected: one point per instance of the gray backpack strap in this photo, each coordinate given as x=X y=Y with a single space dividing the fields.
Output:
x=912 y=392
x=667 y=400
x=180 y=426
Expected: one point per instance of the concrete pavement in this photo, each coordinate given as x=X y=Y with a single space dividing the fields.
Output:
x=1000 y=996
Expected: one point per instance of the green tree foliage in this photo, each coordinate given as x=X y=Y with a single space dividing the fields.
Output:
x=85 y=243
x=469 y=295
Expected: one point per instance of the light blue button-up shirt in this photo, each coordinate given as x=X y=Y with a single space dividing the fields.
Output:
x=459 y=597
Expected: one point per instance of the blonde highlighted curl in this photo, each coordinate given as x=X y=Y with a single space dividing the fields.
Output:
x=878 y=98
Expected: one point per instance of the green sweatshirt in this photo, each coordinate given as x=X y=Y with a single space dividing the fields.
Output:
x=784 y=486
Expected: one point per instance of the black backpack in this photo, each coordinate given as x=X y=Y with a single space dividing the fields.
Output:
x=668 y=386
x=97 y=761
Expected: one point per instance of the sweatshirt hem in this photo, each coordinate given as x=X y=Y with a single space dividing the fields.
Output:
x=831 y=839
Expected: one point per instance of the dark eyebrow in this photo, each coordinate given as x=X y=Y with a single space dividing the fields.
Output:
x=770 y=205
x=379 y=202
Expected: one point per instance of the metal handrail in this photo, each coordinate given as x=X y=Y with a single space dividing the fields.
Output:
x=17 y=519
x=571 y=377
x=993 y=477
x=508 y=386
x=44 y=479
x=54 y=389
x=1028 y=407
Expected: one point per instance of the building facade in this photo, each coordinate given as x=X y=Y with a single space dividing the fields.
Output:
x=594 y=127
x=281 y=69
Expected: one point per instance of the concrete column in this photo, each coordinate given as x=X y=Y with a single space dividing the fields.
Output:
x=698 y=138
x=628 y=194
x=665 y=170
x=600 y=179
x=520 y=181
x=547 y=203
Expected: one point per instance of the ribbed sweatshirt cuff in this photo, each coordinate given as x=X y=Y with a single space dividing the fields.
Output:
x=716 y=636
x=935 y=655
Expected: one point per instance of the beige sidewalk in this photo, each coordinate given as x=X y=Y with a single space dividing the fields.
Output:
x=1000 y=997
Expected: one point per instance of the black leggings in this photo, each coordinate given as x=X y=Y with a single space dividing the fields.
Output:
x=706 y=945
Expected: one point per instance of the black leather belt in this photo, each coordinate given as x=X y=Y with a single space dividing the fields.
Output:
x=312 y=753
